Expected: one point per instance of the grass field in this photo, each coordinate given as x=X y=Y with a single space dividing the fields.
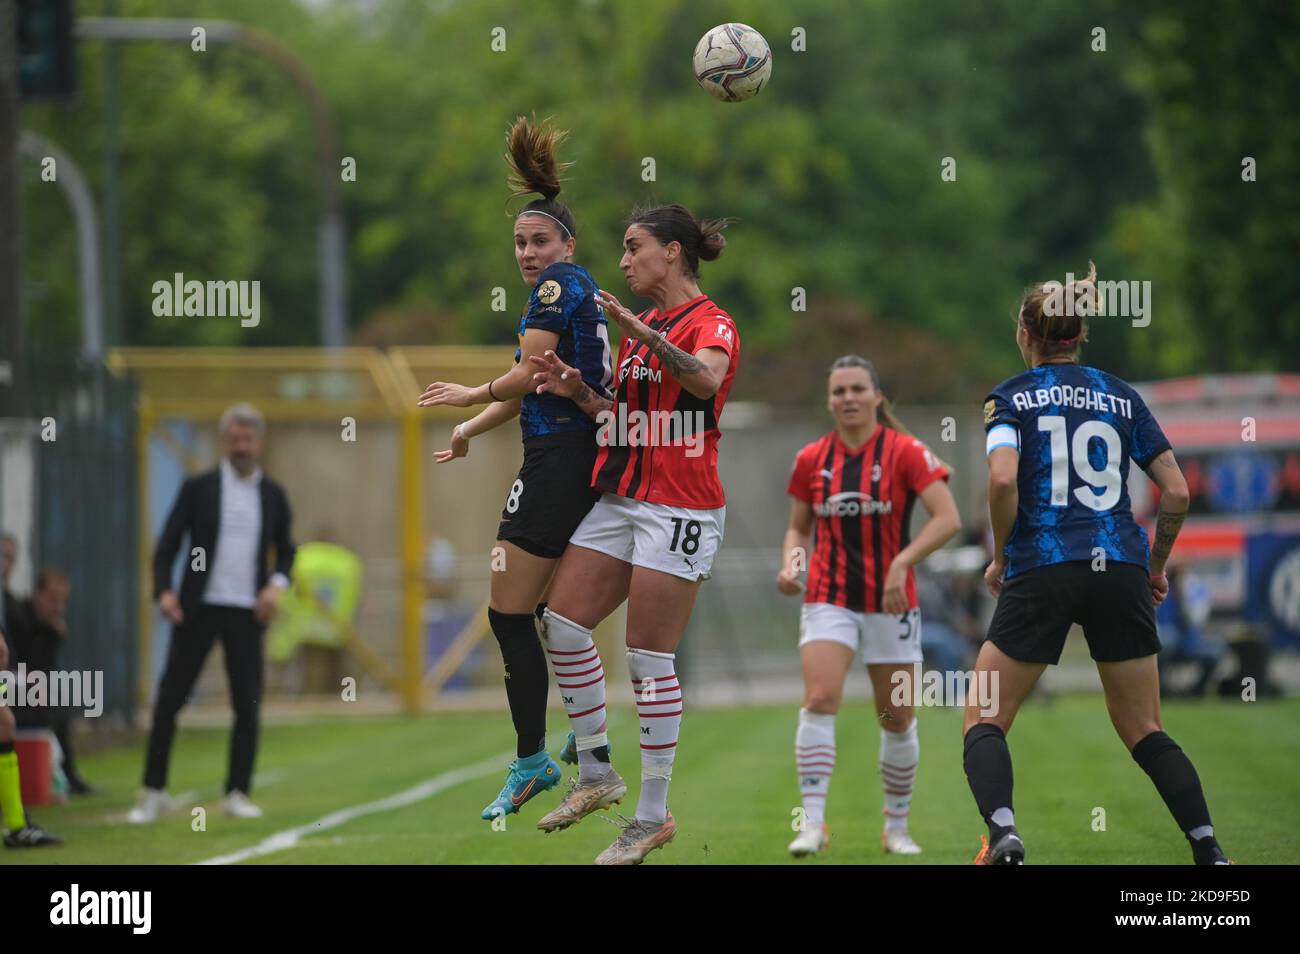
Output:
x=733 y=793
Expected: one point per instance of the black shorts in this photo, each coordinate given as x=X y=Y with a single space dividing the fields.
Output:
x=552 y=493
x=1114 y=607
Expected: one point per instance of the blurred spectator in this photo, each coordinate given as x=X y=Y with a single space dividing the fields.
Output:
x=318 y=612
x=1181 y=620
x=942 y=622
x=38 y=628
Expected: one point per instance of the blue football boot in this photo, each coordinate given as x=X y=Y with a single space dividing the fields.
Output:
x=526 y=778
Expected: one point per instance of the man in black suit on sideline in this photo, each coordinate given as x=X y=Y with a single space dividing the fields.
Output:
x=235 y=516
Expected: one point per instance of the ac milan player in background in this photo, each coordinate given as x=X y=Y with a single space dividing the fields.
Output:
x=652 y=536
x=860 y=482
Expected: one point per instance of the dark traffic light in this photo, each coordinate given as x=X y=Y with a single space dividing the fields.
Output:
x=47 y=50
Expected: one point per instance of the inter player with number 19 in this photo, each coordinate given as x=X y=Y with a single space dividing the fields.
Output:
x=1067 y=550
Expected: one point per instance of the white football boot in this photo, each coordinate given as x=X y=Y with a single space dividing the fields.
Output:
x=811 y=841
x=896 y=841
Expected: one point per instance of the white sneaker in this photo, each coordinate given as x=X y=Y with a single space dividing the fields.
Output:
x=896 y=841
x=152 y=803
x=811 y=841
x=237 y=805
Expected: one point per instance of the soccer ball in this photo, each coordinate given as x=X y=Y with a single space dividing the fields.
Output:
x=732 y=62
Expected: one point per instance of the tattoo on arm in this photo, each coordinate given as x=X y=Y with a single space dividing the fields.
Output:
x=677 y=361
x=1168 y=523
x=591 y=403
x=1167 y=527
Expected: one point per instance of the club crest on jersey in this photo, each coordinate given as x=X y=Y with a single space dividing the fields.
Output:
x=851 y=503
x=548 y=292
x=989 y=411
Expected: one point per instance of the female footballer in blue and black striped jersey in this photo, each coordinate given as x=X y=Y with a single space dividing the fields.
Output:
x=1067 y=550
x=553 y=491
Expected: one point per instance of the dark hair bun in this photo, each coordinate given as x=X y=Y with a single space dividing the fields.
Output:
x=712 y=241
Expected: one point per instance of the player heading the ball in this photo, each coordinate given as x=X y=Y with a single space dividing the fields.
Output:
x=552 y=492
x=652 y=536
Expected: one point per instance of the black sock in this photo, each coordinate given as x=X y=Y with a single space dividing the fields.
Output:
x=527 y=678
x=987 y=761
x=1175 y=779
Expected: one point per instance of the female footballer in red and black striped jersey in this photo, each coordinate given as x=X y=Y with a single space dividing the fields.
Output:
x=859 y=484
x=652 y=536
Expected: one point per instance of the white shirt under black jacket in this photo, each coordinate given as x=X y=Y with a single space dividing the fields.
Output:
x=232 y=578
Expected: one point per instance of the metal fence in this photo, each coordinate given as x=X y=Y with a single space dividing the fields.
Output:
x=68 y=478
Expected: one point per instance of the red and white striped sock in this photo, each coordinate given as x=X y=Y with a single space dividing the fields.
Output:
x=659 y=706
x=814 y=756
x=899 y=754
x=581 y=681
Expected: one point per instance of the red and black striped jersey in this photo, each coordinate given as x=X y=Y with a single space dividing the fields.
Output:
x=660 y=442
x=863 y=502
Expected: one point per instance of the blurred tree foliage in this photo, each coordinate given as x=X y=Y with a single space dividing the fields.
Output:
x=1131 y=157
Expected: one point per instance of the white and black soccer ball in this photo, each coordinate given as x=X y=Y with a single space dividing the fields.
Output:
x=733 y=62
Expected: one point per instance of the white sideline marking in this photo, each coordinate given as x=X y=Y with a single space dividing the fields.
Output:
x=289 y=838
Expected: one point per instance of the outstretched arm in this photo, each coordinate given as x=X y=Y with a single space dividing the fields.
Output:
x=515 y=383
x=700 y=374
x=553 y=376
x=492 y=416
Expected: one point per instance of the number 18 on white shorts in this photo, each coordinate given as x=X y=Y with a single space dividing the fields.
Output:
x=674 y=540
x=879 y=637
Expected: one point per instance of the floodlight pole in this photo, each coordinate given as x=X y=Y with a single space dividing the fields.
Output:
x=331 y=245
x=66 y=173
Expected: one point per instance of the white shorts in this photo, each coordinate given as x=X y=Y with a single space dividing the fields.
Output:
x=880 y=637
x=674 y=540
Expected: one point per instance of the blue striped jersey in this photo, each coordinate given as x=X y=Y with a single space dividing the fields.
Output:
x=563 y=301
x=1075 y=429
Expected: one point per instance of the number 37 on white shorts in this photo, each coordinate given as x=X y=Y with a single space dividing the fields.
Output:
x=876 y=637
x=674 y=540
